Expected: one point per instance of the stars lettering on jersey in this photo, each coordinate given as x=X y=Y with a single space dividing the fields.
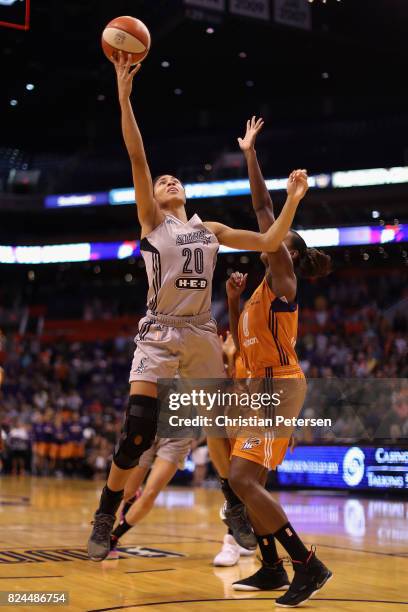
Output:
x=193 y=237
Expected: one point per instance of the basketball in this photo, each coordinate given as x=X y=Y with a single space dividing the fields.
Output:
x=126 y=34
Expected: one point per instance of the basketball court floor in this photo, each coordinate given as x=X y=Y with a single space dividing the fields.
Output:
x=166 y=560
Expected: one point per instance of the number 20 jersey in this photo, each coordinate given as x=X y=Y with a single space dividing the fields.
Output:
x=180 y=259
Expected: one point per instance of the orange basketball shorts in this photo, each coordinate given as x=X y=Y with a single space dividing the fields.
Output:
x=266 y=449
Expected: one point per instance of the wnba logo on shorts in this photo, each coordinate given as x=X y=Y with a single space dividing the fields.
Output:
x=250 y=443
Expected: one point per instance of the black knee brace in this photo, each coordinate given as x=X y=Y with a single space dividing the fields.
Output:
x=138 y=431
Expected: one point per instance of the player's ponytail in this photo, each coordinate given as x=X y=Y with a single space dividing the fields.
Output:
x=314 y=263
x=311 y=262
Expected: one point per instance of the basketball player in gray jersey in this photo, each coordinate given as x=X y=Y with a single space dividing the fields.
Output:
x=178 y=333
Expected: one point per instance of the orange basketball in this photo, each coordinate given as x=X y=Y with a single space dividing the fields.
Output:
x=126 y=34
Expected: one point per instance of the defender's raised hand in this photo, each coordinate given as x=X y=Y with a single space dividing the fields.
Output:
x=124 y=73
x=297 y=184
x=236 y=284
x=253 y=127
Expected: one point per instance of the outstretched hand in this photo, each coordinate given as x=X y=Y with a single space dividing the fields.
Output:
x=124 y=72
x=297 y=184
x=253 y=127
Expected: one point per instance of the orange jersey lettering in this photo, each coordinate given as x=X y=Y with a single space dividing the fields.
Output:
x=268 y=331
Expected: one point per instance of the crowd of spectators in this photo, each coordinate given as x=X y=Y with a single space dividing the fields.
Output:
x=62 y=405
x=62 y=402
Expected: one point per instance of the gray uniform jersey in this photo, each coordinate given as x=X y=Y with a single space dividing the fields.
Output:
x=180 y=260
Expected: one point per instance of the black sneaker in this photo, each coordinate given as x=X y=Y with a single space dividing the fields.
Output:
x=267 y=578
x=237 y=520
x=309 y=578
x=99 y=544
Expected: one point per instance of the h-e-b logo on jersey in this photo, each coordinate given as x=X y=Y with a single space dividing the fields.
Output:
x=191 y=283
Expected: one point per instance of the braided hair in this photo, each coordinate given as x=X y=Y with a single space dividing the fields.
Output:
x=311 y=262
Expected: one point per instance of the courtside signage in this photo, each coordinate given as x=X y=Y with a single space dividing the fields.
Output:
x=342 y=467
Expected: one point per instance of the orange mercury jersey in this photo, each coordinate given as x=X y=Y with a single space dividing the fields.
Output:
x=267 y=331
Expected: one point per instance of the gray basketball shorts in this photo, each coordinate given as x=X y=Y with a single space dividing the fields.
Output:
x=174 y=450
x=190 y=350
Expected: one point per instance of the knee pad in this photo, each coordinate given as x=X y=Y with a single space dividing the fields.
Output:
x=138 y=431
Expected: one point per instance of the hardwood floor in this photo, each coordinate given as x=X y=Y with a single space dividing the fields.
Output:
x=166 y=562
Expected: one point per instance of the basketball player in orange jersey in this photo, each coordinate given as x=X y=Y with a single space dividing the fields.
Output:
x=178 y=333
x=265 y=333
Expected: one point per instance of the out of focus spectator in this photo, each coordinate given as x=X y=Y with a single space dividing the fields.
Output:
x=99 y=457
x=18 y=446
x=63 y=402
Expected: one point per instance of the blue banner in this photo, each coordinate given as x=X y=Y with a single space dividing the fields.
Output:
x=342 y=467
x=77 y=199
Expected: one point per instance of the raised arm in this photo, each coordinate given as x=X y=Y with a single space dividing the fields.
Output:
x=235 y=286
x=148 y=211
x=270 y=240
x=281 y=277
x=261 y=199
